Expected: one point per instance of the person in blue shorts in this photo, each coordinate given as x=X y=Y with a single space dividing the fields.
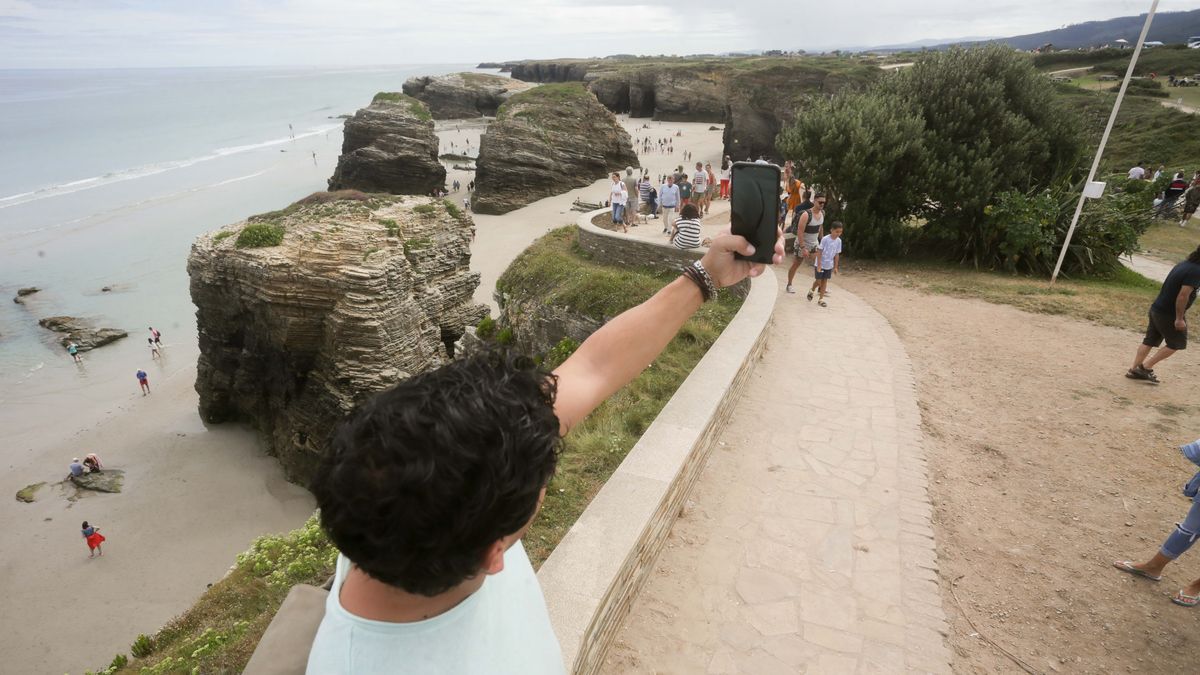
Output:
x=829 y=253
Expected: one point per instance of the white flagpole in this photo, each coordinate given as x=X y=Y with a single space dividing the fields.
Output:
x=1137 y=51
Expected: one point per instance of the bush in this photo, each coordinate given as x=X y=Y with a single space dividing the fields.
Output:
x=142 y=646
x=425 y=209
x=452 y=208
x=560 y=353
x=505 y=336
x=260 y=235
x=486 y=328
x=222 y=236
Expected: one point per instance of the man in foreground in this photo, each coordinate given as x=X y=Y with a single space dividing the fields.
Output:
x=430 y=485
x=1168 y=321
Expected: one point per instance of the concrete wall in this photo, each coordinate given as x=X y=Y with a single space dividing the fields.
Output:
x=592 y=577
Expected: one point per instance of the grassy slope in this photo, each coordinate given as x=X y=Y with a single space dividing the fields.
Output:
x=1161 y=61
x=220 y=632
x=555 y=269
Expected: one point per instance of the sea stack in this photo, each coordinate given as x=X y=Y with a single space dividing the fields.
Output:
x=304 y=312
x=547 y=141
x=463 y=95
x=390 y=146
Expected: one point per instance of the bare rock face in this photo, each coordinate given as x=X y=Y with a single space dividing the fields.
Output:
x=81 y=331
x=544 y=142
x=390 y=146
x=359 y=295
x=463 y=95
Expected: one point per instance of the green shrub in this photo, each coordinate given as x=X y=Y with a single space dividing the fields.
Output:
x=260 y=235
x=142 y=646
x=1143 y=88
x=452 y=208
x=393 y=229
x=425 y=209
x=505 y=336
x=296 y=557
x=222 y=236
x=486 y=328
x=560 y=353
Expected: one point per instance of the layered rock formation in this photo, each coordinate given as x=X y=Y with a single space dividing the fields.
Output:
x=81 y=331
x=463 y=95
x=754 y=96
x=390 y=146
x=360 y=295
x=544 y=142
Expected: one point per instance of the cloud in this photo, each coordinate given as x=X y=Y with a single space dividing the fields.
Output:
x=73 y=33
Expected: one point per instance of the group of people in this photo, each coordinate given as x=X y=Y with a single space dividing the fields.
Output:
x=1179 y=187
x=154 y=342
x=631 y=196
x=647 y=145
x=807 y=221
x=90 y=464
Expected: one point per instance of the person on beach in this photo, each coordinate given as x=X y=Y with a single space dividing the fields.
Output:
x=429 y=486
x=668 y=201
x=1178 y=542
x=616 y=199
x=686 y=233
x=93 y=538
x=699 y=186
x=810 y=228
x=73 y=350
x=91 y=463
x=153 y=349
x=143 y=381
x=631 y=199
x=726 y=167
x=156 y=336
x=712 y=187
x=829 y=254
x=75 y=468
x=1168 y=318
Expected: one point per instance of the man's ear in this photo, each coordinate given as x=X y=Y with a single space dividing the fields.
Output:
x=493 y=560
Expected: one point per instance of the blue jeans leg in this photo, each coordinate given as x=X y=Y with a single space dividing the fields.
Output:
x=618 y=213
x=1185 y=534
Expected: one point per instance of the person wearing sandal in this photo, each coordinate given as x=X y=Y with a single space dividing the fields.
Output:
x=1177 y=542
x=1167 y=318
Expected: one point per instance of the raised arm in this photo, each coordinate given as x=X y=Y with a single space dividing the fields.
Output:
x=626 y=345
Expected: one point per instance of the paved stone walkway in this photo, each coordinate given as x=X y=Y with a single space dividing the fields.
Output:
x=807 y=546
x=1147 y=267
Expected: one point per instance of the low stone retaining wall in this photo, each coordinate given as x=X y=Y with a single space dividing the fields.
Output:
x=592 y=577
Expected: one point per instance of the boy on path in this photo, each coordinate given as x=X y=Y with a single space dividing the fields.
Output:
x=1168 y=321
x=428 y=488
x=829 y=253
x=143 y=381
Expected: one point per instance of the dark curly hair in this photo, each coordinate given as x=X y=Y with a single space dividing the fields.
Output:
x=424 y=477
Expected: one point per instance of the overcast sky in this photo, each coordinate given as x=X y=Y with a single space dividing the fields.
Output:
x=119 y=33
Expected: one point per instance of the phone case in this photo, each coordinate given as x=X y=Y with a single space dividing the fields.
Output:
x=754 y=203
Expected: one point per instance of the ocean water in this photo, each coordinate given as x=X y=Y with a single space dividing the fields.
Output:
x=107 y=176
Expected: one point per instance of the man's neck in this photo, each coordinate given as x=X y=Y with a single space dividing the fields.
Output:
x=369 y=598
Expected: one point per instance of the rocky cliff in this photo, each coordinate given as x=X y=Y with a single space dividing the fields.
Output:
x=356 y=295
x=463 y=95
x=390 y=146
x=544 y=142
x=753 y=96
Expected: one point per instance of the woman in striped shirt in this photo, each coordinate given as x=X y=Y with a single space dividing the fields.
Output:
x=686 y=233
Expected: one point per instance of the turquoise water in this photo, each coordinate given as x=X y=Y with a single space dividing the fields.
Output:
x=106 y=178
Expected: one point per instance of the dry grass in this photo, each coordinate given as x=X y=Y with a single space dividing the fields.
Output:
x=1120 y=302
x=1168 y=242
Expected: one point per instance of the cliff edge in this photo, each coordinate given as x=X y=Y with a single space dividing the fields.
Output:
x=390 y=146
x=463 y=95
x=304 y=312
x=544 y=142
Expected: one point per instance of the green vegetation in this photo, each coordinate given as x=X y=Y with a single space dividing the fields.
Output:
x=367 y=254
x=322 y=197
x=260 y=235
x=220 y=632
x=1145 y=130
x=28 y=494
x=417 y=108
x=486 y=328
x=1118 y=300
x=554 y=269
x=411 y=246
x=544 y=100
x=222 y=236
x=393 y=229
x=560 y=353
x=1167 y=241
x=1162 y=61
x=452 y=209
x=425 y=209
x=505 y=336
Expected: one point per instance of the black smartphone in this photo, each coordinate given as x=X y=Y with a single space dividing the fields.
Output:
x=754 y=204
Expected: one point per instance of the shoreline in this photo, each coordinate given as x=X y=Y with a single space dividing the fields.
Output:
x=194 y=496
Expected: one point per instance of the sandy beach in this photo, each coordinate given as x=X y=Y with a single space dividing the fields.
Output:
x=194 y=496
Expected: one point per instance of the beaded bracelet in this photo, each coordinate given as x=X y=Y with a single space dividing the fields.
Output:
x=702 y=279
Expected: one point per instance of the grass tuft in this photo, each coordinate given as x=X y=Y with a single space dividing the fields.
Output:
x=260 y=235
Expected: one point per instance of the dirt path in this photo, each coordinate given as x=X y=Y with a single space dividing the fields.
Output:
x=1045 y=466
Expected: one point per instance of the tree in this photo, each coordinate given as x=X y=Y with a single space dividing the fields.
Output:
x=992 y=125
x=862 y=148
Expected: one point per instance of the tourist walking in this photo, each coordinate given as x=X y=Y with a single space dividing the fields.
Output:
x=699 y=186
x=685 y=191
x=794 y=188
x=810 y=228
x=153 y=349
x=829 y=253
x=93 y=538
x=631 y=199
x=686 y=233
x=726 y=167
x=668 y=201
x=1168 y=320
x=616 y=200
x=1178 y=542
x=143 y=381
x=711 y=187
x=156 y=336
x=73 y=350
